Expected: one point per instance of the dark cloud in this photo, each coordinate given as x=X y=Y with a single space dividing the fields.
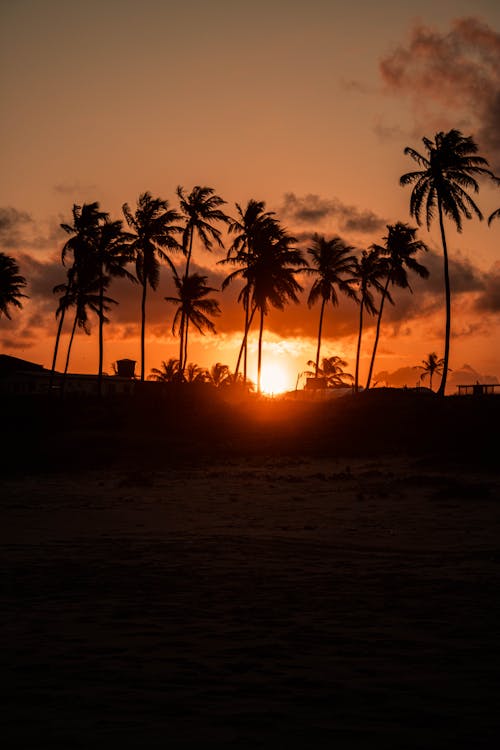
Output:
x=458 y=73
x=12 y=224
x=313 y=210
x=489 y=299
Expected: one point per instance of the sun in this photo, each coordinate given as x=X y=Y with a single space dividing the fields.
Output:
x=273 y=379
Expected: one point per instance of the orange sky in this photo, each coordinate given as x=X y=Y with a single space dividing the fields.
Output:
x=307 y=106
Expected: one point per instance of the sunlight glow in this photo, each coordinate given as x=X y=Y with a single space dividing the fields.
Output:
x=274 y=379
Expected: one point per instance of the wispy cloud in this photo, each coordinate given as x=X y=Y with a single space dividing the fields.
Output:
x=457 y=74
x=313 y=210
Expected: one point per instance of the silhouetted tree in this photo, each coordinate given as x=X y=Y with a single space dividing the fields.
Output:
x=450 y=167
x=192 y=308
x=431 y=366
x=252 y=224
x=11 y=283
x=399 y=248
x=333 y=265
x=369 y=270
x=167 y=373
x=154 y=227
x=111 y=256
x=219 y=375
x=332 y=370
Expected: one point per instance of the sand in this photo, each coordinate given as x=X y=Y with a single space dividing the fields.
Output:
x=292 y=602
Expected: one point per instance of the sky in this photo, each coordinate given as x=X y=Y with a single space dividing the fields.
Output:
x=307 y=106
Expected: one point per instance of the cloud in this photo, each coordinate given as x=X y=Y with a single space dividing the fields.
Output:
x=12 y=224
x=73 y=188
x=314 y=210
x=457 y=73
x=489 y=299
x=410 y=376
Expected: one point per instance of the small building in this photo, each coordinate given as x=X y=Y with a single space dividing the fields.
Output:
x=479 y=389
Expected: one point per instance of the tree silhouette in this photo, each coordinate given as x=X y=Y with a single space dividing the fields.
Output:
x=219 y=375
x=430 y=366
x=167 y=373
x=11 y=283
x=252 y=224
x=399 y=248
x=111 y=255
x=450 y=168
x=152 y=238
x=269 y=274
x=192 y=308
x=369 y=270
x=332 y=370
x=331 y=262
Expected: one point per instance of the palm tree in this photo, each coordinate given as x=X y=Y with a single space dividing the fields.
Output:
x=112 y=255
x=167 y=373
x=399 y=248
x=331 y=262
x=332 y=370
x=11 y=283
x=369 y=270
x=450 y=168
x=430 y=366
x=81 y=245
x=219 y=375
x=201 y=209
x=252 y=223
x=152 y=238
x=192 y=308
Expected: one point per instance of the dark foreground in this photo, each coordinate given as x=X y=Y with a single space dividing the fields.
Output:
x=271 y=599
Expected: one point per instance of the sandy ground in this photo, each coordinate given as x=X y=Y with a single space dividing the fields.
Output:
x=304 y=603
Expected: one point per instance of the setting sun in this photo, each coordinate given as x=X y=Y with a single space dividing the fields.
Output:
x=274 y=379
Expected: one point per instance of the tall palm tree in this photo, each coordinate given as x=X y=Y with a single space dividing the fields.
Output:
x=369 y=270
x=192 y=308
x=167 y=373
x=81 y=246
x=333 y=265
x=270 y=279
x=399 y=248
x=11 y=283
x=430 y=366
x=252 y=223
x=332 y=370
x=154 y=227
x=112 y=254
x=449 y=168
x=201 y=210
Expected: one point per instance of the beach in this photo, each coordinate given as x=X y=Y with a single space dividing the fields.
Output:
x=259 y=601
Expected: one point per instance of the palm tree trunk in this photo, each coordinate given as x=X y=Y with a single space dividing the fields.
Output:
x=143 y=324
x=244 y=342
x=56 y=347
x=377 y=333
x=181 y=347
x=185 y=344
x=442 y=386
x=70 y=344
x=259 y=358
x=323 y=303
x=356 y=379
x=430 y=380
x=101 y=331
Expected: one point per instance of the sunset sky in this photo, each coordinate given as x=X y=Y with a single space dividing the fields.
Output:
x=305 y=105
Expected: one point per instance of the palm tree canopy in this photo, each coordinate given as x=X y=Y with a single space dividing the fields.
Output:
x=399 y=248
x=153 y=233
x=370 y=269
x=332 y=370
x=11 y=283
x=431 y=365
x=113 y=250
x=192 y=290
x=332 y=260
x=250 y=225
x=168 y=372
x=201 y=208
x=85 y=229
x=494 y=215
x=450 y=167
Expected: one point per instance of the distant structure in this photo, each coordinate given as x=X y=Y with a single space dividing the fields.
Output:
x=479 y=389
x=125 y=368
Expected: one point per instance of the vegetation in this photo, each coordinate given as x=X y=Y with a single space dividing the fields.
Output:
x=449 y=168
x=263 y=256
x=431 y=366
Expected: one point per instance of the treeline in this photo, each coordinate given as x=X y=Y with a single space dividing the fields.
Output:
x=262 y=257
